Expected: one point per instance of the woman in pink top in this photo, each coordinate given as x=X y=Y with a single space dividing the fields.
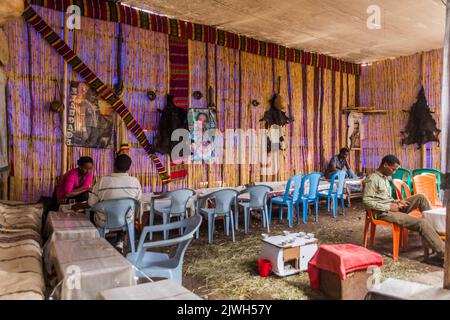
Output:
x=76 y=183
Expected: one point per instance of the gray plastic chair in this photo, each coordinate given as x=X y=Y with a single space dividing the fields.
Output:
x=177 y=207
x=258 y=201
x=119 y=216
x=224 y=199
x=161 y=265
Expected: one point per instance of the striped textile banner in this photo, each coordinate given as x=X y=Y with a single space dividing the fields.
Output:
x=179 y=71
x=179 y=88
x=116 y=12
x=31 y=16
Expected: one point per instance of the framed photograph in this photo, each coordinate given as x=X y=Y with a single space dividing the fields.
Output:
x=201 y=122
x=90 y=118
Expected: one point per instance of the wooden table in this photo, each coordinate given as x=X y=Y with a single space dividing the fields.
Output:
x=87 y=267
x=161 y=290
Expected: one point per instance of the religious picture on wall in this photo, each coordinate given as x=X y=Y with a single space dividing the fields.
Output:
x=90 y=118
x=202 y=124
x=355 y=132
x=3 y=127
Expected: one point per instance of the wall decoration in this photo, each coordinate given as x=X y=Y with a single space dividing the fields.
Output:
x=172 y=118
x=90 y=118
x=355 y=130
x=57 y=105
x=151 y=95
x=276 y=117
x=197 y=95
x=3 y=127
x=421 y=127
x=201 y=121
x=96 y=84
x=255 y=103
x=179 y=71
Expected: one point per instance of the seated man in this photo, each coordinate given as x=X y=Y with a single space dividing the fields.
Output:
x=118 y=185
x=377 y=196
x=339 y=162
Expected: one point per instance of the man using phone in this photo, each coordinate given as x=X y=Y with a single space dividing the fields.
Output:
x=377 y=196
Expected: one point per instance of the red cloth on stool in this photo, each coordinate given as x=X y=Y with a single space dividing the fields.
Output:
x=340 y=259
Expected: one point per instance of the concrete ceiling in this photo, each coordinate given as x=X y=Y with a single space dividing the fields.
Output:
x=334 y=27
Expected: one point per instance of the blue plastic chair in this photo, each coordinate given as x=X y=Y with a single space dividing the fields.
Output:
x=224 y=199
x=177 y=207
x=161 y=265
x=287 y=199
x=258 y=201
x=310 y=197
x=335 y=193
x=119 y=216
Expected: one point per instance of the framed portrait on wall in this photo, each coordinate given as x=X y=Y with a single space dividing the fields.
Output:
x=202 y=123
x=89 y=118
x=3 y=118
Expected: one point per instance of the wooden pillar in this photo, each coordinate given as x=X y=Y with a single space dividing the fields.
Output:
x=445 y=143
x=64 y=112
x=424 y=155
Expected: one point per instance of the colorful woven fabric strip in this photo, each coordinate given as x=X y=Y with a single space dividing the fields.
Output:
x=116 y=12
x=179 y=86
x=31 y=16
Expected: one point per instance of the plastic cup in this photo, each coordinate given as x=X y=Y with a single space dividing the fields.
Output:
x=264 y=267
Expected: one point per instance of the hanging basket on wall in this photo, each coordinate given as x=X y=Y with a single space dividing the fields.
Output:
x=56 y=105
x=151 y=95
x=197 y=95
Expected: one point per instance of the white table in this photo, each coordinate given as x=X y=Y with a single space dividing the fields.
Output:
x=69 y=226
x=88 y=267
x=437 y=218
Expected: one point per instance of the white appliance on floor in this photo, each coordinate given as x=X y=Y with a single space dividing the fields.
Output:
x=290 y=253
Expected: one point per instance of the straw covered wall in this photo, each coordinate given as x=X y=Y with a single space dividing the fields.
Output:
x=393 y=85
x=313 y=96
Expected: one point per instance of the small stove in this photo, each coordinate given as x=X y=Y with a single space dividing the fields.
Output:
x=289 y=253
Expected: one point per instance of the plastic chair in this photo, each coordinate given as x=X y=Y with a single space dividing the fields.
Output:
x=404 y=175
x=426 y=184
x=223 y=200
x=335 y=193
x=119 y=216
x=287 y=199
x=161 y=265
x=372 y=223
x=311 y=197
x=437 y=173
x=258 y=201
x=401 y=188
x=177 y=207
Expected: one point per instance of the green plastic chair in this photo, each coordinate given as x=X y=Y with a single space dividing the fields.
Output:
x=404 y=175
x=433 y=171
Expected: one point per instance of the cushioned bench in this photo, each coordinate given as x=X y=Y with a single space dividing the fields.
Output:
x=21 y=269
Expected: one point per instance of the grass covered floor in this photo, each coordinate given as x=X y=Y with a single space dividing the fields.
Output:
x=227 y=270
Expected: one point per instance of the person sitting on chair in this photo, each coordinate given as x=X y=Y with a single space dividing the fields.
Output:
x=377 y=196
x=338 y=163
x=76 y=183
x=117 y=185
